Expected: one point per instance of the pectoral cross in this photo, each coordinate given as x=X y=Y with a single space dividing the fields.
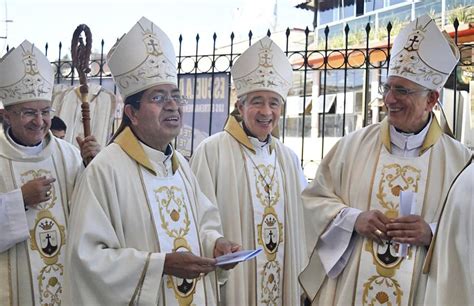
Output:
x=268 y=190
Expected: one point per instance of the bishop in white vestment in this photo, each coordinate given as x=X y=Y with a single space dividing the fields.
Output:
x=39 y=172
x=353 y=209
x=449 y=262
x=256 y=181
x=102 y=103
x=143 y=232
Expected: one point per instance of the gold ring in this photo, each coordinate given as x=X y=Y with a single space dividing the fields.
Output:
x=48 y=193
x=378 y=232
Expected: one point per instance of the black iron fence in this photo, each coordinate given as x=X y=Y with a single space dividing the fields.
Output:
x=350 y=73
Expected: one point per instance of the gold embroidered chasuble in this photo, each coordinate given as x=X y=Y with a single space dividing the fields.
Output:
x=175 y=223
x=347 y=177
x=32 y=272
x=265 y=180
x=117 y=246
x=230 y=179
x=383 y=276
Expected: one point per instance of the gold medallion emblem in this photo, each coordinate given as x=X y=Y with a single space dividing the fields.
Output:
x=47 y=237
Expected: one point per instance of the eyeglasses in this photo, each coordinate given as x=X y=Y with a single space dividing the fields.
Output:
x=161 y=99
x=399 y=92
x=260 y=102
x=33 y=114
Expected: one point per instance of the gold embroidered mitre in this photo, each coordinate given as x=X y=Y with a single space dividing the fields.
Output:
x=263 y=66
x=142 y=58
x=25 y=75
x=422 y=54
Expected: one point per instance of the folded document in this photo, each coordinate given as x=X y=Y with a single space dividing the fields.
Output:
x=237 y=257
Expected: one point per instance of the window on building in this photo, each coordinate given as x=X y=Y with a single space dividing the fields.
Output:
x=463 y=10
x=430 y=7
x=397 y=17
x=393 y=2
x=454 y=4
x=372 y=5
x=328 y=13
x=294 y=126
x=298 y=88
x=333 y=124
x=359 y=7
x=349 y=8
x=336 y=37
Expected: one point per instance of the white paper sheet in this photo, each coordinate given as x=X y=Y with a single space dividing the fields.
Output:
x=407 y=207
x=237 y=257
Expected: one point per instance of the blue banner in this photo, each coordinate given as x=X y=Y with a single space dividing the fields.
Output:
x=200 y=104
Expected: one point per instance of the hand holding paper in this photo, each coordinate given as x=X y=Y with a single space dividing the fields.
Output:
x=224 y=247
x=409 y=228
x=237 y=257
x=407 y=207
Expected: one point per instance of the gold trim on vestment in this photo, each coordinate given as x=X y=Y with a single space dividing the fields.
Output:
x=268 y=229
x=170 y=205
x=138 y=290
x=234 y=128
x=169 y=195
x=130 y=144
x=383 y=281
x=47 y=239
x=432 y=136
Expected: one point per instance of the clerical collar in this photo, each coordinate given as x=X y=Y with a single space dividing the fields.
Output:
x=160 y=160
x=28 y=150
x=257 y=143
x=250 y=135
x=260 y=146
x=409 y=141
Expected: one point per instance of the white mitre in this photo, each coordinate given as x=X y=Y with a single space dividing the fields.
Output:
x=142 y=58
x=422 y=54
x=25 y=75
x=263 y=66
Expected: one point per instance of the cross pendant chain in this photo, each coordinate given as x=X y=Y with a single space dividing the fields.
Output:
x=267 y=186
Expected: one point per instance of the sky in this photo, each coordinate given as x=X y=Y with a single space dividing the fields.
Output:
x=54 y=21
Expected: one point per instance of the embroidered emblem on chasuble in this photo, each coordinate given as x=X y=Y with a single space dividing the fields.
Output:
x=47 y=235
x=176 y=230
x=383 y=276
x=268 y=207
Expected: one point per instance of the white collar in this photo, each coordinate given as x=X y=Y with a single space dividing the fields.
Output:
x=408 y=141
x=27 y=150
x=160 y=160
x=260 y=146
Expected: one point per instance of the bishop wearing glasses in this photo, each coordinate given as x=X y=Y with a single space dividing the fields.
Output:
x=143 y=232
x=38 y=174
x=353 y=205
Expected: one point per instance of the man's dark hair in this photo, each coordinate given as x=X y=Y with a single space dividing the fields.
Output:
x=134 y=101
x=57 y=124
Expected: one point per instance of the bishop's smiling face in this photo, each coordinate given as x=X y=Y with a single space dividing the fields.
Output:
x=157 y=124
x=261 y=112
x=409 y=112
x=29 y=121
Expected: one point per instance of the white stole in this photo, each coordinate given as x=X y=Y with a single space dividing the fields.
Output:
x=264 y=175
x=383 y=276
x=176 y=230
x=47 y=223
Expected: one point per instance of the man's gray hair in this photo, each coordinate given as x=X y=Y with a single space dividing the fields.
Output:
x=243 y=98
